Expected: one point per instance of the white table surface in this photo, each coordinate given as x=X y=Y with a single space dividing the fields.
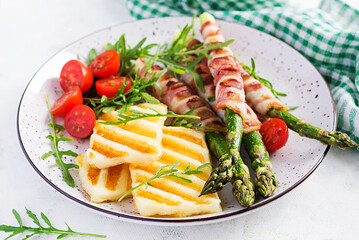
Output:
x=325 y=206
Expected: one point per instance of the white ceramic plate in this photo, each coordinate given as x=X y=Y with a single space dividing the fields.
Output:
x=288 y=70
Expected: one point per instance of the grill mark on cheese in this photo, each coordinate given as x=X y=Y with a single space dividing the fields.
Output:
x=139 y=129
x=135 y=144
x=161 y=185
x=168 y=159
x=151 y=169
x=157 y=198
x=133 y=127
x=107 y=151
x=184 y=150
x=183 y=135
x=93 y=175
x=113 y=174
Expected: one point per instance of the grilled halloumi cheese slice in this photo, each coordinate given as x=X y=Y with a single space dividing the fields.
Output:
x=103 y=184
x=137 y=142
x=170 y=197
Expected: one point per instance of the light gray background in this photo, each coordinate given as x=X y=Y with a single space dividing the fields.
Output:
x=325 y=206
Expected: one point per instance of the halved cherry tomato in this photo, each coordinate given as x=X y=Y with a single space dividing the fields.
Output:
x=274 y=134
x=80 y=121
x=67 y=101
x=110 y=86
x=76 y=73
x=106 y=64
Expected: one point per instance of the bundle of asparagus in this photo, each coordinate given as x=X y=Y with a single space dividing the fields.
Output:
x=265 y=180
x=264 y=102
x=227 y=88
x=223 y=66
x=231 y=168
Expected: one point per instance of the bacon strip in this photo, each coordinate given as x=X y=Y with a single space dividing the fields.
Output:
x=259 y=96
x=227 y=78
x=180 y=98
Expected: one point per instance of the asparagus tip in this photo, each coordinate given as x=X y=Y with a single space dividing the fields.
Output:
x=344 y=141
x=265 y=181
x=243 y=191
x=243 y=188
x=216 y=181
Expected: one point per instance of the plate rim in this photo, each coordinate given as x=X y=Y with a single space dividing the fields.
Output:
x=149 y=220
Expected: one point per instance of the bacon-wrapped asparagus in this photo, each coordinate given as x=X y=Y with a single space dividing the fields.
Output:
x=265 y=180
x=229 y=92
x=227 y=76
x=264 y=102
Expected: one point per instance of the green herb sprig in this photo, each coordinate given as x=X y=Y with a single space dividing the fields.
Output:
x=252 y=71
x=125 y=52
x=135 y=115
x=55 y=138
x=190 y=122
x=168 y=171
x=123 y=100
x=186 y=120
x=176 y=56
x=40 y=229
x=265 y=82
x=91 y=56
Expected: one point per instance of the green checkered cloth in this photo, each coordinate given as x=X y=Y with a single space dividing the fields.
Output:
x=328 y=36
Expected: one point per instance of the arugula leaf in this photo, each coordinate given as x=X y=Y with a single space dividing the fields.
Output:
x=128 y=53
x=92 y=55
x=17 y=216
x=123 y=100
x=177 y=56
x=265 y=82
x=33 y=217
x=55 y=139
x=148 y=98
x=135 y=115
x=190 y=123
x=40 y=229
x=172 y=172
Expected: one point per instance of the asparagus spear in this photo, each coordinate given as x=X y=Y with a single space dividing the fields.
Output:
x=236 y=171
x=217 y=144
x=265 y=180
x=334 y=138
x=224 y=172
x=243 y=189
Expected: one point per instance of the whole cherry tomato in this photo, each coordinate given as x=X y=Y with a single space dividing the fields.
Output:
x=80 y=121
x=274 y=134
